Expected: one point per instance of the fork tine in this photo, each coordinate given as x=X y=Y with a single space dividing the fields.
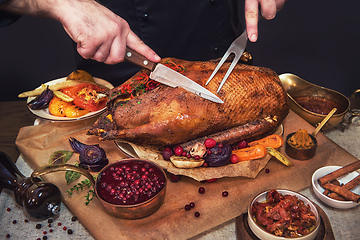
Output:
x=223 y=59
x=234 y=62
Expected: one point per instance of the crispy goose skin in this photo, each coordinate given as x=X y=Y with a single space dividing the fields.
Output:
x=254 y=104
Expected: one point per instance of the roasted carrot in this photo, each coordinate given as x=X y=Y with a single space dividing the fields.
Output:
x=274 y=141
x=250 y=153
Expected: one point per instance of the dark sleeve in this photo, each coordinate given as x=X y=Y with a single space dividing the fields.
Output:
x=7 y=18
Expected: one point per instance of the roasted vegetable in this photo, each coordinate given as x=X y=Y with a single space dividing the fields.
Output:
x=80 y=75
x=85 y=96
x=92 y=157
x=251 y=153
x=57 y=107
x=185 y=162
x=42 y=100
x=220 y=155
x=274 y=141
x=279 y=156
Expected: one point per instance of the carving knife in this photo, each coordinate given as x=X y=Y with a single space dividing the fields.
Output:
x=169 y=77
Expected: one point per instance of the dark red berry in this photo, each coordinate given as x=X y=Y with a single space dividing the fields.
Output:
x=14 y=222
x=192 y=204
x=187 y=207
x=175 y=178
x=59 y=223
x=44 y=232
x=178 y=151
x=74 y=218
x=49 y=225
x=220 y=145
x=201 y=190
x=8 y=209
x=197 y=214
x=243 y=144
x=26 y=220
x=210 y=143
x=50 y=220
x=205 y=164
x=211 y=180
x=8 y=236
x=267 y=170
x=197 y=157
x=225 y=193
x=51 y=230
x=64 y=228
x=234 y=159
x=167 y=153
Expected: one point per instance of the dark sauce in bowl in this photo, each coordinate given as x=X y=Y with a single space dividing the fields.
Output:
x=130 y=182
x=317 y=105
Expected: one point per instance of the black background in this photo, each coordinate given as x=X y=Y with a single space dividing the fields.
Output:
x=316 y=40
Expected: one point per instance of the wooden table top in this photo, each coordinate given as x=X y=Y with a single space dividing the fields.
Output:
x=13 y=116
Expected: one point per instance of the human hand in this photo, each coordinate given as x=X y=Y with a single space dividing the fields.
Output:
x=99 y=33
x=268 y=10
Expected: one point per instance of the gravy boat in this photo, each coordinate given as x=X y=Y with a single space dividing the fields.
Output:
x=297 y=87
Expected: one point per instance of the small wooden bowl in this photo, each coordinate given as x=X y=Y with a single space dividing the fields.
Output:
x=298 y=153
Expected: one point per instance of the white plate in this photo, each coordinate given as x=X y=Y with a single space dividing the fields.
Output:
x=45 y=114
x=318 y=190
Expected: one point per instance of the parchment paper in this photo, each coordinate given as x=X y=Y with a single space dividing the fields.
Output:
x=171 y=221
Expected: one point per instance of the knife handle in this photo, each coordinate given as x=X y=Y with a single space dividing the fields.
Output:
x=138 y=59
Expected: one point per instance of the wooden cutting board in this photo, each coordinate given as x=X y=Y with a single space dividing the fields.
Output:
x=172 y=221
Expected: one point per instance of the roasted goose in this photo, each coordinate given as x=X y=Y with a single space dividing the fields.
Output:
x=255 y=103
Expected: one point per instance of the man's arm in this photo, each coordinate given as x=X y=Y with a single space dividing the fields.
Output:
x=99 y=33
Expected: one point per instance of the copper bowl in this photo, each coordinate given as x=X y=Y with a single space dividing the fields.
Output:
x=138 y=210
x=297 y=87
x=298 y=153
x=130 y=211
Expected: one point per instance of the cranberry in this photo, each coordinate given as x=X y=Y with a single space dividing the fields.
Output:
x=175 y=178
x=50 y=220
x=44 y=232
x=243 y=144
x=192 y=204
x=201 y=190
x=8 y=209
x=197 y=214
x=210 y=143
x=234 y=159
x=220 y=145
x=225 y=193
x=14 y=222
x=178 y=151
x=184 y=154
x=267 y=170
x=197 y=157
x=50 y=230
x=26 y=220
x=59 y=223
x=64 y=228
x=187 y=207
x=7 y=235
x=211 y=180
x=205 y=164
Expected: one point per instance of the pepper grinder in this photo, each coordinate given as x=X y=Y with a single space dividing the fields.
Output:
x=40 y=200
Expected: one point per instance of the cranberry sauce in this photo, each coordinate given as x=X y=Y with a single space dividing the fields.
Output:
x=317 y=104
x=130 y=182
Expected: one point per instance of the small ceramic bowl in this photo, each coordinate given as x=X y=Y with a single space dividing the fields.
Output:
x=318 y=190
x=262 y=234
x=297 y=153
x=118 y=188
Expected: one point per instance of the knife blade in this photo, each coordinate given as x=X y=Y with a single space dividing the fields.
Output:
x=169 y=77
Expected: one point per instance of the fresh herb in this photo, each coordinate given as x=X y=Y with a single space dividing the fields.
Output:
x=80 y=186
x=71 y=176
x=60 y=157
